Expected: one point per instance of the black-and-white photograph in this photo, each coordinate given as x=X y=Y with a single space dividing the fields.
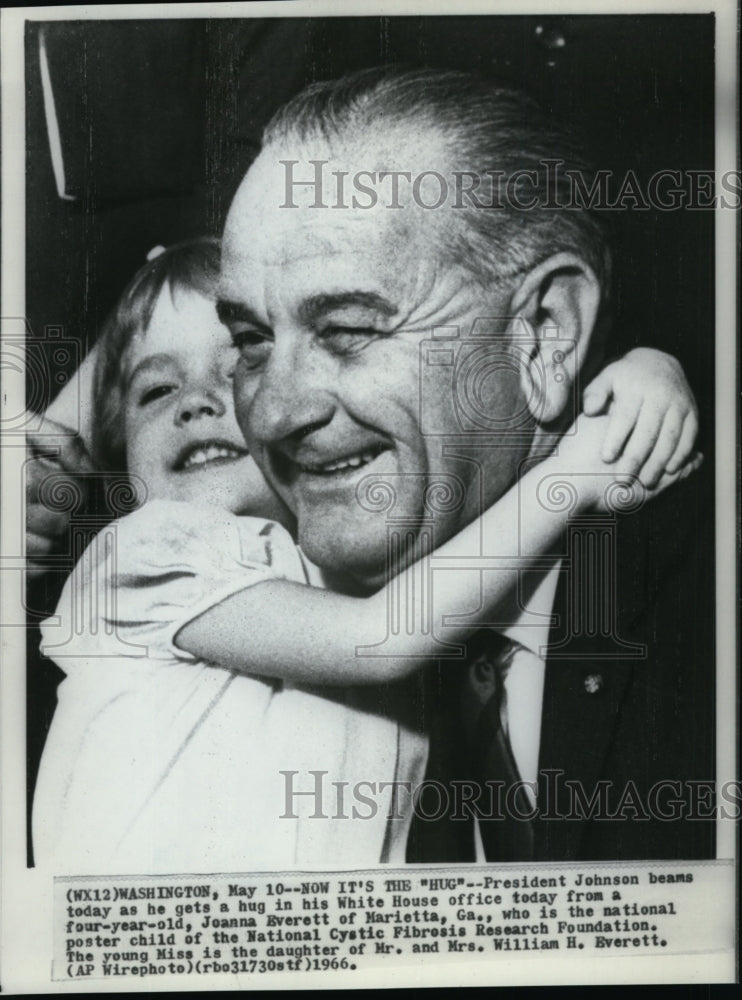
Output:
x=368 y=478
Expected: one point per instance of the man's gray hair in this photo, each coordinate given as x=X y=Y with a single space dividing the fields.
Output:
x=487 y=127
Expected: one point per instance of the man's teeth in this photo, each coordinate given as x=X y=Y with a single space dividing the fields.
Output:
x=355 y=462
x=202 y=455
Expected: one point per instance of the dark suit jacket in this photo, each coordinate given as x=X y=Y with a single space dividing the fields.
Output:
x=641 y=725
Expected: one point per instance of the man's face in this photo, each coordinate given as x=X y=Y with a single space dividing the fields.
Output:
x=329 y=309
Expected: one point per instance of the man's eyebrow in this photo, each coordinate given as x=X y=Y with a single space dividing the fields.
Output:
x=317 y=305
x=230 y=312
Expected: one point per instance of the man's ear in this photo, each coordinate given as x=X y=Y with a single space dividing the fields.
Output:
x=554 y=309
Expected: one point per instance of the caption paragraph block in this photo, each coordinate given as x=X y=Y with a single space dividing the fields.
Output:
x=230 y=925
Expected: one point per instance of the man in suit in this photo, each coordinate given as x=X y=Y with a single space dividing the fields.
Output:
x=414 y=304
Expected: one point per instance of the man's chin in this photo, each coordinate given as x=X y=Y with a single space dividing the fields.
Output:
x=348 y=565
x=357 y=561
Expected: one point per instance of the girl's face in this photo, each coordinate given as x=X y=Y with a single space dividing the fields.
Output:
x=181 y=435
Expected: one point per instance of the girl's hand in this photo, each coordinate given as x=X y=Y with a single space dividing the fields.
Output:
x=581 y=457
x=52 y=450
x=652 y=412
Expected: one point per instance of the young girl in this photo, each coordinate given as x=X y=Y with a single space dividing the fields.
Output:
x=175 y=746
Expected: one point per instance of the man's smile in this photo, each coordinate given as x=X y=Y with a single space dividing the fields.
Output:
x=353 y=461
x=329 y=465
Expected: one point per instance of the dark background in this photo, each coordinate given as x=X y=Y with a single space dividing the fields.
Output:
x=160 y=119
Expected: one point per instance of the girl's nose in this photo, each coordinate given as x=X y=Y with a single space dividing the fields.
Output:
x=197 y=403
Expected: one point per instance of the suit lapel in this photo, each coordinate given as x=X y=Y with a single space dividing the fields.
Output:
x=589 y=669
x=580 y=708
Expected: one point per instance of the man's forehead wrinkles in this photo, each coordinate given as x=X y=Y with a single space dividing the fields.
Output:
x=272 y=255
x=283 y=255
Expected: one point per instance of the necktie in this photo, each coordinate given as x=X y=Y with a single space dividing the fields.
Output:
x=507 y=834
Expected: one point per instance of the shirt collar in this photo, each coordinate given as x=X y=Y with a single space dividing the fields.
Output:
x=530 y=628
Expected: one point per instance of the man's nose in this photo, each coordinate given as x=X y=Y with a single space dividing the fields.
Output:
x=290 y=396
x=197 y=402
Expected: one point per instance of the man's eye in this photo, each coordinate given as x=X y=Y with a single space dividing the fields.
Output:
x=348 y=339
x=155 y=392
x=253 y=345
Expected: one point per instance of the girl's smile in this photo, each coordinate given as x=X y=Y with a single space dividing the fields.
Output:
x=202 y=454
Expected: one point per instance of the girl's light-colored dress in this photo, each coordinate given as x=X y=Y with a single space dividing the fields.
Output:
x=158 y=762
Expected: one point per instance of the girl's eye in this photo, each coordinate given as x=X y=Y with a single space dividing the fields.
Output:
x=154 y=393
